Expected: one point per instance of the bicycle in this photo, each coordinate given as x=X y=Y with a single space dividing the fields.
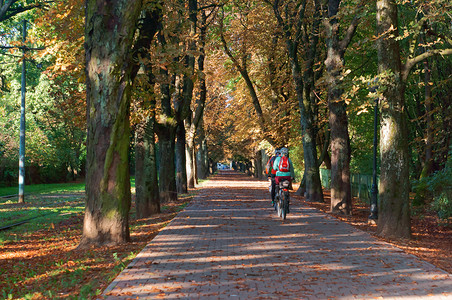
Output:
x=282 y=199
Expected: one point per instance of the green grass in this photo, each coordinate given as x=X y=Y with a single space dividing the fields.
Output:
x=51 y=188
x=36 y=217
x=43 y=205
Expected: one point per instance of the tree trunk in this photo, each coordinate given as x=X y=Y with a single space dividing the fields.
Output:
x=341 y=199
x=167 y=168
x=429 y=120
x=181 y=159
x=109 y=36
x=183 y=106
x=421 y=188
x=313 y=184
x=190 y=151
x=147 y=195
x=394 y=211
x=257 y=162
x=166 y=132
x=303 y=84
x=197 y=115
x=309 y=131
x=201 y=157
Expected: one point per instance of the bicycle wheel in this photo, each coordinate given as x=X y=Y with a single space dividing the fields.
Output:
x=284 y=206
x=280 y=207
x=287 y=202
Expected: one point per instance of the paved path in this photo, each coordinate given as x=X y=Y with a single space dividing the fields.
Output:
x=229 y=244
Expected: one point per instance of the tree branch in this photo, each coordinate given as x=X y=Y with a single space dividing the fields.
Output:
x=5 y=8
x=6 y=13
x=414 y=41
x=214 y=5
x=22 y=48
x=301 y=9
x=343 y=44
x=446 y=38
x=410 y=63
x=242 y=70
x=226 y=48
x=149 y=27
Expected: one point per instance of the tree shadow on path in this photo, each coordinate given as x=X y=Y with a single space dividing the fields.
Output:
x=229 y=243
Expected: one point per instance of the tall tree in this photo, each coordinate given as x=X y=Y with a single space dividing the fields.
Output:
x=146 y=180
x=340 y=139
x=147 y=197
x=194 y=121
x=109 y=32
x=166 y=130
x=239 y=52
x=394 y=217
x=295 y=30
x=184 y=116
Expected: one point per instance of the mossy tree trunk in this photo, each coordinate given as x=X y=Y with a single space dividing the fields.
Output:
x=109 y=33
x=394 y=210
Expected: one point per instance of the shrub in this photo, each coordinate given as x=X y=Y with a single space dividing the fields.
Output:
x=440 y=185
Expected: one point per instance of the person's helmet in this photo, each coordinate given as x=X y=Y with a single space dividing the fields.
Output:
x=277 y=151
x=284 y=151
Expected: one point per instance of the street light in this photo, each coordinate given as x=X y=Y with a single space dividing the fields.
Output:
x=22 y=122
x=374 y=190
x=22 y=112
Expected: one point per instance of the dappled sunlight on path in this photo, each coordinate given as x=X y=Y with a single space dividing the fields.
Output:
x=229 y=243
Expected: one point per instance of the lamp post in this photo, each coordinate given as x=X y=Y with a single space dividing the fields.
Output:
x=22 y=121
x=374 y=190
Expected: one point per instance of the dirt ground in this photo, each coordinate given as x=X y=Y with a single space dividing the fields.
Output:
x=430 y=241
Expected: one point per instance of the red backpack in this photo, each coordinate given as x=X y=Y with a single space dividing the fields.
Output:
x=269 y=166
x=284 y=165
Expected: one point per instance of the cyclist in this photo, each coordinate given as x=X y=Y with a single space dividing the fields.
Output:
x=271 y=173
x=283 y=167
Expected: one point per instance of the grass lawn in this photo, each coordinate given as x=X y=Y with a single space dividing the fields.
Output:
x=52 y=188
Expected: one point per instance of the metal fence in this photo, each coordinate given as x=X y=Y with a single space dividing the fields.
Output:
x=360 y=184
